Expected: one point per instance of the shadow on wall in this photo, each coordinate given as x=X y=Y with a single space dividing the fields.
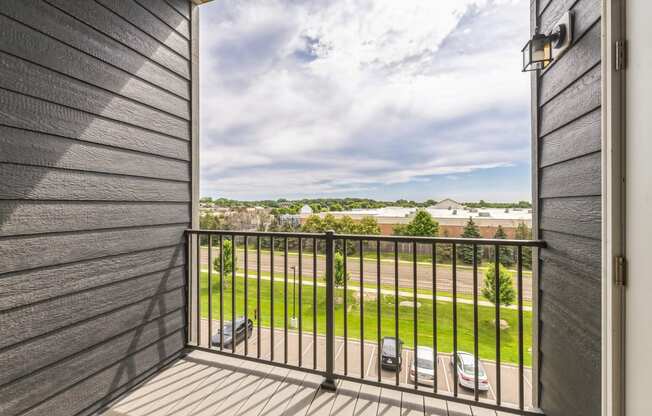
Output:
x=94 y=168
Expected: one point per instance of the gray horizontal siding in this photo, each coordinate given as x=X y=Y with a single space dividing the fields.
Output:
x=46 y=18
x=569 y=215
x=95 y=196
x=32 y=114
x=167 y=14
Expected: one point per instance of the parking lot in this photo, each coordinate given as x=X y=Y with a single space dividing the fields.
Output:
x=364 y=361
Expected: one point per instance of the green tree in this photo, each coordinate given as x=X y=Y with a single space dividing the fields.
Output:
x=506 y=294
x=339 y=274
x=367 y=226
x=422 y=225
x=336 y=207
x=523 y=232
x=444 y=251
x=465 y=252
x=506 y=253
x=230 y=260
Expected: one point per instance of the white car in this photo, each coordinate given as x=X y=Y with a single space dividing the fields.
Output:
x=424 y=366
x=466 y=372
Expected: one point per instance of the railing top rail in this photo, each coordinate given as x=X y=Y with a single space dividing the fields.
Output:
x=389 y=238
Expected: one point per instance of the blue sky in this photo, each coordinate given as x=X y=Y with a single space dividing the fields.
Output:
x=365 y=98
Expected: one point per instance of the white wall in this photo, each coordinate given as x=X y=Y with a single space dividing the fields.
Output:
x=638 y=350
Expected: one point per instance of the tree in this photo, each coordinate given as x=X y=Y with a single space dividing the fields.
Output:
x=506 y=294
x=444 y=251
x=367 y=226
x=524 y=233
x=339 y=275
x=230 y=260
x=422 y=225
x=465 y=252
x=336 y=207
x=506 y=253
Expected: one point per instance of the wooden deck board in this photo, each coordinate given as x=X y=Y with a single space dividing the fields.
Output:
x=205 y=384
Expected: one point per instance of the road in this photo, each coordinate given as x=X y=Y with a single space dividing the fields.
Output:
x=444 y=279
x=367 y=363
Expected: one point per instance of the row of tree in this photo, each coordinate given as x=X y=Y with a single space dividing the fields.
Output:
x=283 y=206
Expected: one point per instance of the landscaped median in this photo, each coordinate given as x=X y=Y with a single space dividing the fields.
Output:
x=425 y=327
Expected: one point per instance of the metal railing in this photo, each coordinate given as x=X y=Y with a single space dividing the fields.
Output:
x=329 y=257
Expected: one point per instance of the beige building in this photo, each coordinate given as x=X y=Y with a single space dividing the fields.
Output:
x=451 y=220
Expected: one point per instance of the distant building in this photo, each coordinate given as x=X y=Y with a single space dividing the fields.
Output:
x=447 y=204
x=451 y=220
x=305 y=210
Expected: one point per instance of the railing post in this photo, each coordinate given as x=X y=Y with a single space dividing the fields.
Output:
x=329 y=381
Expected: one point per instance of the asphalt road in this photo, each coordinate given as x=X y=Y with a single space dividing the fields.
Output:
x=444 y=278
x=367 y=363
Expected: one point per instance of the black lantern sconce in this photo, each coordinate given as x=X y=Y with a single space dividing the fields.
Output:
x=542 y=49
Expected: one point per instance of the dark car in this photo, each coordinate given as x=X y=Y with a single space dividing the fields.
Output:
x=388 y=353
x=239 y=333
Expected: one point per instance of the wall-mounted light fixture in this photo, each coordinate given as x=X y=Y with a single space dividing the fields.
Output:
x=542 y=49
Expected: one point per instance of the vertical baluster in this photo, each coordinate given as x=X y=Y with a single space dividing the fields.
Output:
x=314 y=303
x=344 y=310
x=210 y=290
x=475 y=320
x=258 y=316
x=234 y=266
x=361 y=311
x=246 y=295
x=285 y=300
x=434 y=316
x=300 y=301
x=497 y=320
x=519 y=284
x=271 y=298
x=221 y=292
x=198 y=297
x=329 y=381
x=415 y=317
x=188 y=309
x=378 y=310
x=399 y=359
x=455 y=376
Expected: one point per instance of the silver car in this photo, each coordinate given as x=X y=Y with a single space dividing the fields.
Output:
x=423 y=366
x=466 y=372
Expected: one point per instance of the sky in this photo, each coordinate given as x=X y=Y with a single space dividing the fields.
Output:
x=385 y=99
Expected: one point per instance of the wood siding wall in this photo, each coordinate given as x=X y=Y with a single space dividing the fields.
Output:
x=95 y=194
x=567 y=163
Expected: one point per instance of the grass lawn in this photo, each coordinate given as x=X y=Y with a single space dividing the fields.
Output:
x=355 y=282
x=486 y=329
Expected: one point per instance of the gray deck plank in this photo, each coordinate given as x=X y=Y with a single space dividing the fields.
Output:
x=435 y=407
x=265 y=391
x=257 y=373
x=367 y=403
x=412 y=404
x=347 y=396
x=389 y=403
x=323 y=402
x=302 y=399
x=283 y=394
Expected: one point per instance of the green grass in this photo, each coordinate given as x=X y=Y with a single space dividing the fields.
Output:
x=354 y=282
x=486 y=329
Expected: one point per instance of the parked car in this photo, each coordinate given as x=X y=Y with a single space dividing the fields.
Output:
x=466 y=372
x=239 y=333
x=388 y=353
x=424 y=366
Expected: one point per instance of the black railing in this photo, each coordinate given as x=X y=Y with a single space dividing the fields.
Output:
x=332 y=258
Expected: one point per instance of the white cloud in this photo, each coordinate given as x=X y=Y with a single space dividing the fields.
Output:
x=310 y=97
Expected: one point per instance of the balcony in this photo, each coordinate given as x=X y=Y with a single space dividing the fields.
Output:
x=316 y=356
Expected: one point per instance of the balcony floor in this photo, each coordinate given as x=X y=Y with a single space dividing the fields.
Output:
x=205 y=384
